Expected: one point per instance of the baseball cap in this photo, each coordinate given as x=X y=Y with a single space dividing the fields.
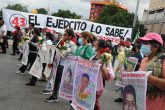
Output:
x=152 y=36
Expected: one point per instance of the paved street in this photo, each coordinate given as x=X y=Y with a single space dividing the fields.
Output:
x=14 y=95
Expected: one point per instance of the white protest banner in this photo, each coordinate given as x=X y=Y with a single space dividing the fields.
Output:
x=135 y=88
x=56 y=61
x=25 y=51
x=66 y=86
x=55 y=66
x=22 y=19
x=85 y=85
x=36 y=69
x=49 y=59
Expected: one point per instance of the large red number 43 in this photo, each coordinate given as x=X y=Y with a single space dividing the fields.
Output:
x=16 y=22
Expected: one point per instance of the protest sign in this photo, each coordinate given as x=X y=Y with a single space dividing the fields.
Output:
x=13 y=18
x=50 y=56
x=85 y=84
x=25 y=51
x=36 y=69
x=66 y=86
x=131 y=64
x=56 y=62
x=118 y=69
x=135 y=88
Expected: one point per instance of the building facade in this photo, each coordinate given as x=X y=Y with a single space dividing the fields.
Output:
x=154 y=17
x=98 y=5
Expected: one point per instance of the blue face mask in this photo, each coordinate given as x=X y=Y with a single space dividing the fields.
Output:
x=80 y=41
x=145 y=50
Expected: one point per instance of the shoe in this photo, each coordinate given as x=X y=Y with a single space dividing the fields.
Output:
x=19 y=72
x=30 y=84
x=51 y=99
x=46 y=92
x=43 y=80
x=119 y=100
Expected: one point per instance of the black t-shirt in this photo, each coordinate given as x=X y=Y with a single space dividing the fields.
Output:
x=33 y=47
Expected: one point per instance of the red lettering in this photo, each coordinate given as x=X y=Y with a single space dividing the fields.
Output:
x=15 y=21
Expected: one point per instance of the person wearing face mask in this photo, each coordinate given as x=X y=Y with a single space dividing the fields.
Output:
x=86 y=50
x=155 y=62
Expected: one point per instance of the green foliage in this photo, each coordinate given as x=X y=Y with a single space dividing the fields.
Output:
x=17 y=7
x=112 y=15
x=42 y=11
x=139 y=27
x=66 y=14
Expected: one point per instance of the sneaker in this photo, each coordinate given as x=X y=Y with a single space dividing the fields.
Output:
x=46 y=92
x=43 y=80
x=19 y=72
x=51 y=99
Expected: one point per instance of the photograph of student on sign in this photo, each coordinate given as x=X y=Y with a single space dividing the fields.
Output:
x=129 y=96
x=82 y=91
x=68 y=77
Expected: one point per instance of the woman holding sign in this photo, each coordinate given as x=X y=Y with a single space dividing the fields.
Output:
x=106 y=71
x=155 y=62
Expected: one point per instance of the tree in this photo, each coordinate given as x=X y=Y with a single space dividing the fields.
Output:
x=113 y=15
x=42 y=11
x=18 y=7
x=66 y=14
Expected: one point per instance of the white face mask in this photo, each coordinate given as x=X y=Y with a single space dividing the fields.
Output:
x=146 y=50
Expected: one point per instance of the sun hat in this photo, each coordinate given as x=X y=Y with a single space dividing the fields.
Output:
x=152 y=36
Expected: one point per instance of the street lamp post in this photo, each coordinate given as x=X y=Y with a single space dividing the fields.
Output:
x=136 y=12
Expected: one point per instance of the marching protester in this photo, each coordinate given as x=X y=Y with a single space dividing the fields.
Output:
x=155 y=62
x=17 y=34
x=3 y=37
x=119 y=62
x=30 y=30
x=136 y=53
x=70 y=49
x=27 y=35
x=48 y=42
x=33 y=51
x=106 y=71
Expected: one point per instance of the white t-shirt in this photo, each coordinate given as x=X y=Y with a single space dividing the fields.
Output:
x=3 y=29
